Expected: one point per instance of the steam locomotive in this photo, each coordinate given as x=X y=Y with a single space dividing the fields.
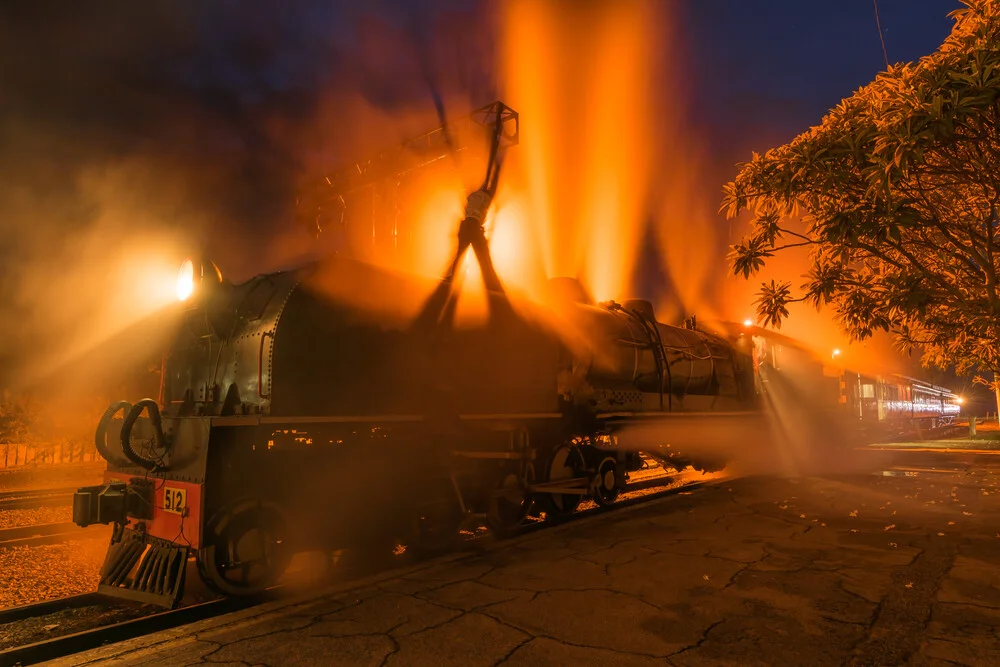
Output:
x=289 y=420
x=317 y=408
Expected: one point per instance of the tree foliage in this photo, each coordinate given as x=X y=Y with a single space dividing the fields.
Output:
x=19 y=419
x=896 y=193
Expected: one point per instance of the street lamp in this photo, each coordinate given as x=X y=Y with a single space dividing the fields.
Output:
x=836 y=353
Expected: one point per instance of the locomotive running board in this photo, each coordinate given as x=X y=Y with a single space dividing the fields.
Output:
x=143 y=569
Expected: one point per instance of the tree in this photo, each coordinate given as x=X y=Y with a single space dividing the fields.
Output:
x=18 y=419
x=897 y=195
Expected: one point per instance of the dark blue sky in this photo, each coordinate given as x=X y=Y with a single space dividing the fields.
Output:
x=763 y=71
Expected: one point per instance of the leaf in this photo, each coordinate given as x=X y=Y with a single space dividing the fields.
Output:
x=748 y=257
x=772 y=303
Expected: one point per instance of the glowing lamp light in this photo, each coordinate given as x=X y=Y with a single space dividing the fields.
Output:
x=185 y=280
x=836 y=352
x=192 y=277
x=960 y=400
x=748 y=322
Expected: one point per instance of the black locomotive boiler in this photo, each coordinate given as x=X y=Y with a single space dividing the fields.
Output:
x=338 y=404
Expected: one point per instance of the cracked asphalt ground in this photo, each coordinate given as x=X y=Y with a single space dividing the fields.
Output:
x=862 y=569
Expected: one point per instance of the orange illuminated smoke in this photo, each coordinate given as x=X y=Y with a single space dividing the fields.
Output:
x=579 y=73
x=185 y=280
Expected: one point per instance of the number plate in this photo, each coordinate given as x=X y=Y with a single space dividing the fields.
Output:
x=175 y=500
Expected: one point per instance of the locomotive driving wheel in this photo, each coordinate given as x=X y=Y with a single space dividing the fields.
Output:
x=605 y=487
x=510 y=501
x=245 y=549
x=566 y=464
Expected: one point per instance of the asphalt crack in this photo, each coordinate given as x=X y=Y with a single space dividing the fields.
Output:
x=902 y=615
x=394 y=651
x=701 y=640
x=514 y=650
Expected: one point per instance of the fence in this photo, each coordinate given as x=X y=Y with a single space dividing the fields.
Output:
x=12 y=455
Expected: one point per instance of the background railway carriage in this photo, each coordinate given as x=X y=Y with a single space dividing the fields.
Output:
x=880 y=405
x=900 y=403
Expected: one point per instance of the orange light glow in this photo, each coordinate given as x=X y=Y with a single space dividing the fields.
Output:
x=748 y=322
x=471 y=308
x=960 y=400
x=582 y=172
x=185 y=280
x=437 y=221
x=514 y=244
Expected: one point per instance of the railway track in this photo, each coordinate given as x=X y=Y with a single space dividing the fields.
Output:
x=143 y=619
x=46 y=533
x=146 y=620
x=948 y=457
x=30 y=499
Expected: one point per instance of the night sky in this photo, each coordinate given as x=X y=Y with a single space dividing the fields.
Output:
x=764 y=71
x=202 y=118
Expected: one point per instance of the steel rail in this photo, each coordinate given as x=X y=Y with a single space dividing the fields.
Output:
x=22 y=612
x=32 y=493
x=46 y=533
x=32 y=498
x=66 y=645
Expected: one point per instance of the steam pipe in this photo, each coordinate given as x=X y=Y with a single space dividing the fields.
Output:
x=100 y=438
x=154 y=419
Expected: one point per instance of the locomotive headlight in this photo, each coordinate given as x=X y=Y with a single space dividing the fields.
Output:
x=185 y=280
x=197 y=278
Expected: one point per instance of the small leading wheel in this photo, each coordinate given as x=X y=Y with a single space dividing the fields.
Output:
x=245 y=549
x=605 y=486
x=510 y=501
x=566 y=464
